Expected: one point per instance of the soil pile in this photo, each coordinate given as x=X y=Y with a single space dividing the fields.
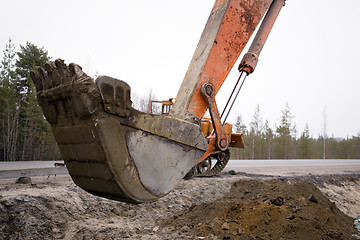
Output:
x=274 y=209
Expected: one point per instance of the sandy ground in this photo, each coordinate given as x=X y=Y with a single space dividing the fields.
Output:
x=55 y=208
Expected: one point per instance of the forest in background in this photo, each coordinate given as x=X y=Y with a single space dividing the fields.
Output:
x=282 y=142
x=25 y=135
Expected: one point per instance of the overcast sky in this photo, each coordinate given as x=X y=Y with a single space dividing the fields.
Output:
x=310 y=60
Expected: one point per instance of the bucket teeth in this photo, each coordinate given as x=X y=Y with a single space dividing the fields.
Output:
x=35 y=76
x=110 y=149
x=63 y=70
x=53 y=73
x=65 y=96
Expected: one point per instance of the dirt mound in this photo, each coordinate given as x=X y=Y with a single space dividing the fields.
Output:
x=275 y=209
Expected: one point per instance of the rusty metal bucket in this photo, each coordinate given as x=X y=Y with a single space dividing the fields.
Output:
x=110 y=149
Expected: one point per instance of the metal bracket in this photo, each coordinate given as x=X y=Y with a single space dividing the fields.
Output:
x=208 y=92
x=115 y=94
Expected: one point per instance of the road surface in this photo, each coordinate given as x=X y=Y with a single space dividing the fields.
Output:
x=30 y=169
x=295 y=166
x=266 y=167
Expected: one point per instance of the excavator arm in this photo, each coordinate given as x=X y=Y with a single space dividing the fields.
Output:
x=114 y=151
x=228 y=29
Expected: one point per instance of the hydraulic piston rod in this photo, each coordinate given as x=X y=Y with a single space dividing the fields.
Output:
x=250 y=59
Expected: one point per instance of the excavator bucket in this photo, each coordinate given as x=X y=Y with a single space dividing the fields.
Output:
x=110 y=149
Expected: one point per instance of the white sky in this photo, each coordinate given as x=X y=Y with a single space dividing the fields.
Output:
x=310 y=60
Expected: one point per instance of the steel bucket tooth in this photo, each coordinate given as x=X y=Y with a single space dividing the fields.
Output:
x=110 y=149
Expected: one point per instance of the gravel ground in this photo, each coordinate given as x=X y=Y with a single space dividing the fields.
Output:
x=56 y=208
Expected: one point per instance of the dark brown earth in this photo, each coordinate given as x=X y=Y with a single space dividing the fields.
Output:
x=275 y=209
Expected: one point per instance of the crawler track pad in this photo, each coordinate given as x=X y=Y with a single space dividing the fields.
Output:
x=111 y=149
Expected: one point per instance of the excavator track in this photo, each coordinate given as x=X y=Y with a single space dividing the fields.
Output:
x=222 y=160
x=205 y=168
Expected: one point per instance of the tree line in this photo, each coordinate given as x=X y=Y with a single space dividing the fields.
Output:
x=263 y=142
x=25 y=134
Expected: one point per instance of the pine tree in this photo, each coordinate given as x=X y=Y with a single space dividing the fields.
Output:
x=239 y=126
x=256 y=127
x=268 y=135
x=35 y=131
x=284 y=130
x=30 y=57
x=304 y=142
x=9 y=110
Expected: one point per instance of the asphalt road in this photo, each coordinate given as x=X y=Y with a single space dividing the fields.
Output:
x=27 y=165
x=266 y=167
x=30 y=169
x=295 y=166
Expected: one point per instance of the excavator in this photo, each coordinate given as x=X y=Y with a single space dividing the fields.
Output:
x=115 y=151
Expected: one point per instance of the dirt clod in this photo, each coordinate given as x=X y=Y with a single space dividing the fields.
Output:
x=23 y=180
x=313 y=199
x=277 y=201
